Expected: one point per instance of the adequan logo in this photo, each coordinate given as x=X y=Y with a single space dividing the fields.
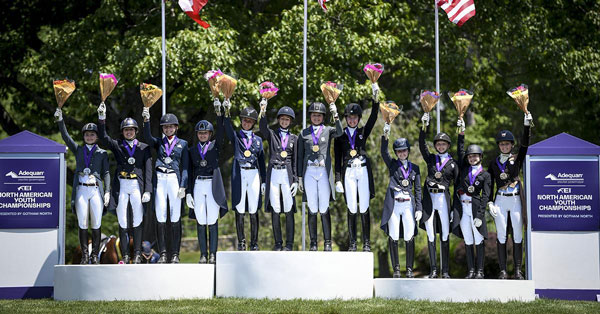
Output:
x=566 y=177
x=25 y=177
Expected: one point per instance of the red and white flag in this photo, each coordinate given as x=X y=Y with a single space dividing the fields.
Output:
x=192 y=9
x=459 y=11
x=322 y=4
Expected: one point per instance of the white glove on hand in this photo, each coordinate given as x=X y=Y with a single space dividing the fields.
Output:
x=102 y=111
x=477 y=222
x=333 y=108
x=294 y=189
x=528 y=119
x=386 y=130
x=181 y=193
x=339 y=187
x=451 y=216
x=425 y=118
x=146 y=114
x=300 y=184
x=226 y=106
x=375 y=88
x=418 y=215
x=106 y=199
x=189 y=200
x=461 y=125
x=58 y=114
x=263 y=188
x=217 y=105
x=493 y=209
x=263 y=105
x=146 y=197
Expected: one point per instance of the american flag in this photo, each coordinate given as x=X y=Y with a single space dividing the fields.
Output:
x=459 y=11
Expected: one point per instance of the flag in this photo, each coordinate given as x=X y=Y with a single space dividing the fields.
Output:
x=459 y=11
x=192 y=9
x=322 y=4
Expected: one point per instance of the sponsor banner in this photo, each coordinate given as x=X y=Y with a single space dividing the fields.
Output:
x=29 y=193
x=564 y=195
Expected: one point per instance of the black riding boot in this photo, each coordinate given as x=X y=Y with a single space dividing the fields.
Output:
x=124 y=244
x=480 y=260
x=352 y=232
x=393 y=247
x=502 y=259
x=312 y=231
x=276 y=231
x=175 y=241
x=201 y=232
x=470 y=261
x=96 y=235
x=239 y=227
x=254 y=232
x=137 y=244
x=161 y=231
x=410 y=257
x=83 y=242
x=432 y=259
x=289 y=231
x=446 y=259
x=213 y=234
x=326 y=222
x=365 y=220
x=518 y=258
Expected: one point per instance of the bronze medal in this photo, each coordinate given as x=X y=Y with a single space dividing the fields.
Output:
x=247 y=153
x=353 y=153
x=405 y=183
x=315 y=148
x=438 y=175
x=283 y=154
x=504 y=176
x=471 y=189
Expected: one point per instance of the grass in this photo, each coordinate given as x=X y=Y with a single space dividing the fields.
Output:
x=221 y=305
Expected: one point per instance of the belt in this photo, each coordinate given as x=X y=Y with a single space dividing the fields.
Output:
x=247 y=168
x=352 y=165
x=204 y=178
x=127 y=175
x=402 y=200
x=461 y=192
x=466 y=201
x=316 y=165
x=279 y=167
x=436 y=191
x=88 y=184
x=165 y=170
x=508 y=194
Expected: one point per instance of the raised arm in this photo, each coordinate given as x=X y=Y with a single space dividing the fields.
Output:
x=219 y=137
x=339 y=131
x=151 y=140
x=338 y=158
x=104 y=138
x=422 y=145
x=229 y=131
x=264 y=128
x=385 y=153
x=66 y=137
x=372 y=119
x=460 y=149
x=524 y=145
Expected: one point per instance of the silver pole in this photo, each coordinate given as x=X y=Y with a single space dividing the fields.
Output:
x=437 y=65
x=164 y=58
x=304 y=115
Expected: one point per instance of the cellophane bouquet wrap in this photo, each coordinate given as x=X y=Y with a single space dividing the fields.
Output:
x=373 y=71
x=226 y=85
x=150 y=94
x=267 y=91
x=389 y=111
x=331 y=91
x=428 y=101
x=108 y=82
x=462 y=100
x=521 y=96
x=62 y=90
x=212 y=76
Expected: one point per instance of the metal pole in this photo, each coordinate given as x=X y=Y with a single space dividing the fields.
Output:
x=437 y=65
x=304 y=115
x=164 y=58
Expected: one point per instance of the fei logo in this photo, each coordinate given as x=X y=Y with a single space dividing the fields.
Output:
x=564 y=190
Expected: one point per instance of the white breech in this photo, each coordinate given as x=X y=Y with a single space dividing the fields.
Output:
x=438 y=202
x=470 y=233
x=167 y=186
x=205 y=206
x=250 y=188
x=316 y=185
x=509 y=205
x=280 y=186
x=402 y=211
x=89 y=206
x=129 y=191
x=356 y=184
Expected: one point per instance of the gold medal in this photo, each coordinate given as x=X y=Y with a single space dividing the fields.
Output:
x=283 y=154
x=315 y=148
x=471 y=189
x=353 y=153
x=247 y=153
x=438 y=175
x=504 y=176
x=405 y=182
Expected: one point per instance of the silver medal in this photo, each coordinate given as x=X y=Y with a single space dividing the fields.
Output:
x=504 y=176
x=203 y=163
x=438 y=175
x=87 y=171
x=405 y=182
x=168 y=160
x=471 y=189
x=131 y=160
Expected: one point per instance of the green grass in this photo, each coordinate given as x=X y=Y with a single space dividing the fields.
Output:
x=220 y=305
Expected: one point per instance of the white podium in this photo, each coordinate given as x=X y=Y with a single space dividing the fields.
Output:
x=134 y=282
x=295 y=275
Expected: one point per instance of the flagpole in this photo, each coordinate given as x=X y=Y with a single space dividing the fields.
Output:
x=164 y=58
x=304 y=115
x=437 y=65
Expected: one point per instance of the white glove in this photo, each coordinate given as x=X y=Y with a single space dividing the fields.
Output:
x=102 y=111
x=146 y=197
x=106 y=199
x=339 y=187
x=263 y=105
x=58 y=114
x=333 y=108
x=294 y=189
x=217 y=105
x=528 y=119
x=451 y=216
x=263 y=188
x=461 y=124
x=146 y=114
x=386 y=130
x=418 y=215
x=375 y=88
x=181 y=193
x=189 y=200
x=226 y=107
x=300 y=184
x=493 y=209
x=477 y=222
x=425 y=118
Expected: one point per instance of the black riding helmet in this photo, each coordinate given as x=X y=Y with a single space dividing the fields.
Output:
x=401 y=143
x=129 y=123
x=285 y=110
x=204 y=125
x=249 y=113
x=505 y=135
x=169 y=119
x=317 y=107
x=90 y=127
x=353 y=108
x=442 y=137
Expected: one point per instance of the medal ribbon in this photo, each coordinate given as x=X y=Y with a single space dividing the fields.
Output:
x=202 y=150
x=351 y=138
x=247 y=142
x=437 y=163
x=169 y=147
x=285 y=137
x=502 y=166
x=473 y=176
x=87 y=155
x=315 y=138
x=405 y=173
x=130 y=150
